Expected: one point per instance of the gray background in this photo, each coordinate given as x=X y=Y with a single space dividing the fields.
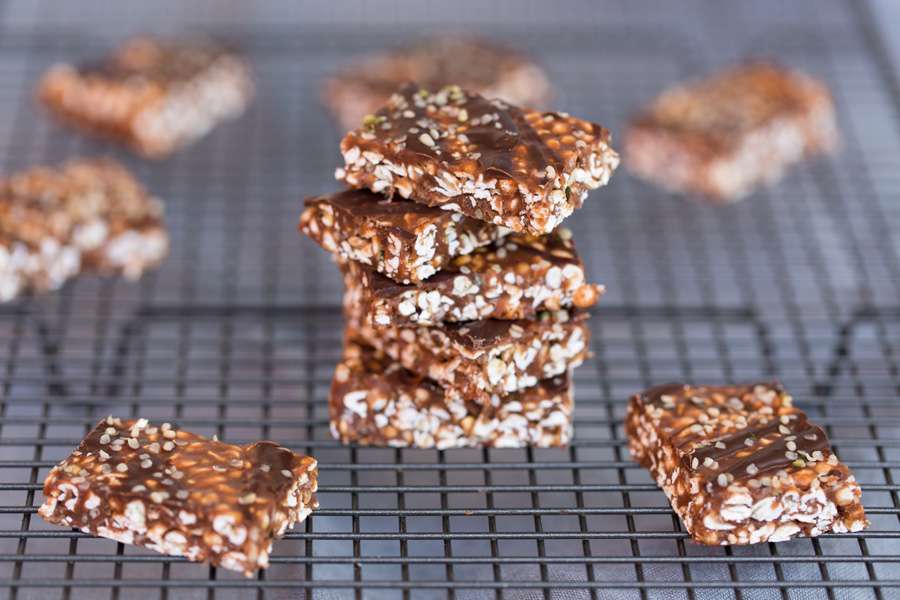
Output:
x=238 y=333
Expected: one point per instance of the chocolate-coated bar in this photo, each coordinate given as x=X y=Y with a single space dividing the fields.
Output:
x=154 y=96
x=377 y=402
x=404 y=241
x=741 y=464
x=484 y=158
x=181 y=494
x=476 y=64
x=514 y=278
x=86 y=216
x=480 y=358
x=723 y=136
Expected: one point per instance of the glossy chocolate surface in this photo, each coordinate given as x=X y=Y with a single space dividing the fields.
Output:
x=728 y=429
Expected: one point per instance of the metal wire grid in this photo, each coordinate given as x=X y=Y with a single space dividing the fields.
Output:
x=238 y=333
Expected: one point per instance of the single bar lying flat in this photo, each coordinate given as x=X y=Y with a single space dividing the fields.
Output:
x=181 y=494
x=88 y=215
x=741 y=465
x=724 y=135
x=402 y=240
x=377 y=402
x=474 y=63
x=522 y=169
x=154 y=96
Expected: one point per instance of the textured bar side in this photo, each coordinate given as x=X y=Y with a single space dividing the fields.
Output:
x=377 y=402
x=521 y=169
x=181 y=494
x=741 y=465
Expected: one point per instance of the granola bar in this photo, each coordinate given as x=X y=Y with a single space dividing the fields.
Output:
x=475 y=64
x=741 y=464
x=151 y=95
x=88 y=215
x=181 y=494
x=484 y=158
x=515 y=278
x=405 y=241
x=376 y=402
x=724 y=135
x=480 y=358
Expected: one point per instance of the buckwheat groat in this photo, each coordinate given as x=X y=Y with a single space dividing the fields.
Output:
x=515 y=278
x=480 y=358
x=375 y=401
x=741 y=465
x=484 y=158
x=181 y=494
x=724 y=135
x=151 y=95
x=88 y=215
x=475 y=64
x=405 y=241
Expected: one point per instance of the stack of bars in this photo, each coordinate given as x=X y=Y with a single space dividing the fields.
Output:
x=465 y=300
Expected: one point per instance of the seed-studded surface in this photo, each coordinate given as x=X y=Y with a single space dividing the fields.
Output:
x=238 y=332
x=471 y=62
x=152 y=95
x=741 y=464
x=514 y=278
x=732 y=131
x=87 y=215
x=181 y=494
x=403 y=240
x=374 y=400
x=480 y=358
x=519 y=168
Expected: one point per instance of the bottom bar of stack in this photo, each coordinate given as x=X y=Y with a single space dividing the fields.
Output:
x=376 y=401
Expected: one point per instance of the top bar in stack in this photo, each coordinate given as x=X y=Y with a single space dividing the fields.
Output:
x=153 y=96
x=181 y=494
x=741 y=464
x=484 y=158
x=724 y=135
x=474 y=63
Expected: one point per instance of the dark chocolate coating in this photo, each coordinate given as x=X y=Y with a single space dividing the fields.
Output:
x=762 y=442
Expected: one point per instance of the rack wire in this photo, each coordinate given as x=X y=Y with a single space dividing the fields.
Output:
x=237 y=334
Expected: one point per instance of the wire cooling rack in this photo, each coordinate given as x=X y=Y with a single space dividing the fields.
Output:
x=237 y=334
